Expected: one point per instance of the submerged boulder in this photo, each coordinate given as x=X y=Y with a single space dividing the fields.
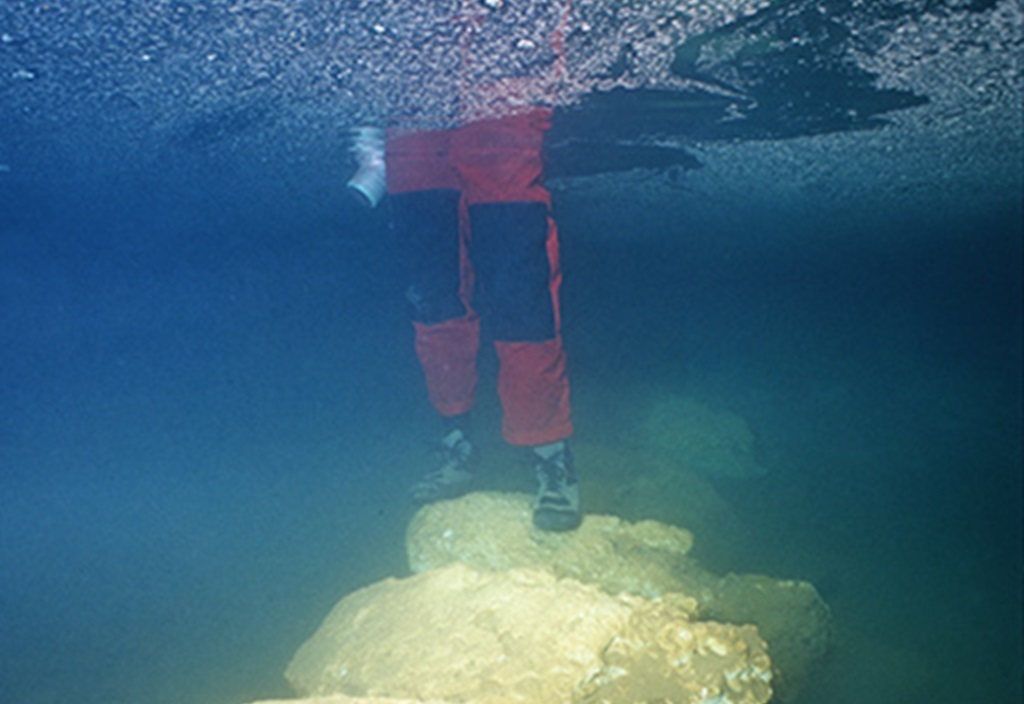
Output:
x=345 y=699
x=710 y=441
x=790 y=615
x=638 y=484
x=458 y=634
x=493 y=531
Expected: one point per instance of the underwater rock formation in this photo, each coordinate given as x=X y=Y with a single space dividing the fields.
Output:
x=492 y=531
x=523 y=635
x=637 y=484
x=713 y=442
x=345 y=699
x=616 y=612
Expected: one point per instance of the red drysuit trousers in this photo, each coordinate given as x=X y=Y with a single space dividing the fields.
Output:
x=473 y=204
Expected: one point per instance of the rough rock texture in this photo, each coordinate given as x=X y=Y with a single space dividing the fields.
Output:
x=662 y=656
x=492 y=531
x=636 y=484
x=457 y=634
x=789 y=614
x=344 y=699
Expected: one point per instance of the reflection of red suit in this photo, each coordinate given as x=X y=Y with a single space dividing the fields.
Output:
x=478 y=217
x=473 y=204
x=492 y=81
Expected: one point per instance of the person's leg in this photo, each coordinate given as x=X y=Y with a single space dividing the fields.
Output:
x=427 y=212
x=515 y=255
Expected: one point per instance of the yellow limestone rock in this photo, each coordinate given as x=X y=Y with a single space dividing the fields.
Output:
x=635 y=484
x=663 y=656
x=789 y=614
x=343 y=699
x=461 y=634
x=525 y=637
x=493 y=531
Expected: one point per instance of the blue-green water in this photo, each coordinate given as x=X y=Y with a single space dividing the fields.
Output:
x=208 y=394
x=202 y=419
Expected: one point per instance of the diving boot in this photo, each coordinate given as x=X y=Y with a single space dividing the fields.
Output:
x=557 y=506
x=455 y=462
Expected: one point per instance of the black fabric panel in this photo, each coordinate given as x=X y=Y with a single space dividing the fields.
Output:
x=509 y=253
x=428 y=228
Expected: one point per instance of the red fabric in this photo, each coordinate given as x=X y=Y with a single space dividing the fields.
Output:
x=419 y=161
x=555 y=281
x=493 y=161
x=501 y=161
x=447 y=351
x=544 y=85
x=534 y=391
x=532 y=381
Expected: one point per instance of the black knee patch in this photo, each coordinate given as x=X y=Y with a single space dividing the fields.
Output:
x=428 y=227
x=509 y=252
